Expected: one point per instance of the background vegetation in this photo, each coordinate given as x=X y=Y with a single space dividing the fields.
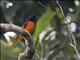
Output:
x=53 y=38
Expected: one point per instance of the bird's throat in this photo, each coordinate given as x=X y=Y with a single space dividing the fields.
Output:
x=29 y=26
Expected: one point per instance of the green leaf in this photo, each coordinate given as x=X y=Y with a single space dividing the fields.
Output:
x=43 y=23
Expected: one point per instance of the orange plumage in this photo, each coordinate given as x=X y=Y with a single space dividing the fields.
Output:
x=29 y=26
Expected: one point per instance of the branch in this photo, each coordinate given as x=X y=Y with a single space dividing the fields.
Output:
x=71 y=36
x=29 y=50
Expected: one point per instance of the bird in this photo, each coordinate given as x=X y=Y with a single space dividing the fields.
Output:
x=29 y=25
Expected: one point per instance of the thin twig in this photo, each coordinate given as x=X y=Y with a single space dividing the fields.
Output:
x=42 y=4
x=71 y=36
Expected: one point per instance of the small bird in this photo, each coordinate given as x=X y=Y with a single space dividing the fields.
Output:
x=29 y=25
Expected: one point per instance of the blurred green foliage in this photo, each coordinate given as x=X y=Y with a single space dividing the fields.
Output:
x=58 y=48
x=8 y=52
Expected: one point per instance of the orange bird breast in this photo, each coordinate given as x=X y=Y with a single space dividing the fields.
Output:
x=29 y=26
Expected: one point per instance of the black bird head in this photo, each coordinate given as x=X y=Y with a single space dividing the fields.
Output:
x=32 y=18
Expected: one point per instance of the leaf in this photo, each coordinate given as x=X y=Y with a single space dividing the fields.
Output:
x=43 y=23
